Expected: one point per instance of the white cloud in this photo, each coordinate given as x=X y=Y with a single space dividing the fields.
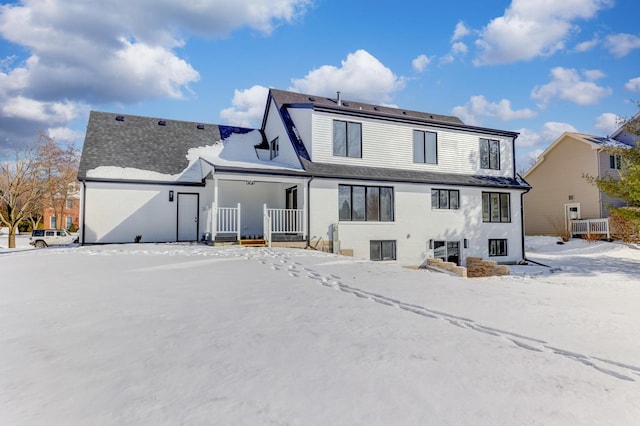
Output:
x=248 y=107
x=585 y=46
x=361 y=77
x=65 y=134
x=122 y=51
x=460 y=31
x=530 y=29
x=478 y=106
x=530 y=144
x=459 y=48
x=606 y=123
x=567 y=84
x=633 y=85
x=620 y=45
x=421 y=62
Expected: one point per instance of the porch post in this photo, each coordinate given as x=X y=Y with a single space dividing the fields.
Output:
x=214 y=221
x=239 y=223
x=305 y=214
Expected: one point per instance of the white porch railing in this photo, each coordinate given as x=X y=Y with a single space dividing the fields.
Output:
x=284 y=221
x=590 y=226
x=228 y=220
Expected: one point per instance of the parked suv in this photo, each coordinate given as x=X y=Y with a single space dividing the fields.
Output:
x=51 y=237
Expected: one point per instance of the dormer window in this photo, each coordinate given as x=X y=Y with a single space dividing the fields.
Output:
x=347 y=139
x=425 y=147
x=274 y=148
x=490 y=154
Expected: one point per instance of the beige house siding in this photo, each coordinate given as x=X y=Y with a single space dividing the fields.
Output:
x=606 y=202
x=557 y=180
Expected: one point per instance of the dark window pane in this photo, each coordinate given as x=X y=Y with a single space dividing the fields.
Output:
x=495 y=207
x=340 y=138
x=354 y=139
x=484 y=153
x=444 y=199
x=504 y=208
x=375 y=250
x=486 y=207
x=435 y=198
x=494 y=155
x=431 y=148
x=453 y=252
x=373 y=203
x=386 y=204
x=418 y=146
x=358 y=203
x=440 y=250
x=612 y=161
x=388 y=250
x=344 y=202
x=454 y=199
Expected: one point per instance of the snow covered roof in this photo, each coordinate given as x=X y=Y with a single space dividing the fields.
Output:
x=129 y=147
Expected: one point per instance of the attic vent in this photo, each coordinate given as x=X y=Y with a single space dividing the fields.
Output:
x=162 y=123
x=312 y=99
x=376 y=109
x=431 y=116
x=345 y=103
x=404 y=112
x=120 y=118
x=200 y=126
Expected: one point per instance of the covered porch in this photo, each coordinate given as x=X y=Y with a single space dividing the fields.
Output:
x=258 y=211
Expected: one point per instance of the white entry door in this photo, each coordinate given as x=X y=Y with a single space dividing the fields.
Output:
x=187 y=217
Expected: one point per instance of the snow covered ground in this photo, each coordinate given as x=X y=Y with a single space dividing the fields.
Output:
x=187 y=334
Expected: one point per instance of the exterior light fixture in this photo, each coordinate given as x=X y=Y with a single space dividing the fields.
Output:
x=170 y=196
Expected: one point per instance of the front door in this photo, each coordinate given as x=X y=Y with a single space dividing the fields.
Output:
x=571 y=212
x=292 y=198
x=187 y=217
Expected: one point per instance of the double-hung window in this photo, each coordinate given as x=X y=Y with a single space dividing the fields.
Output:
x=496 y=207
x=365 y=203
x=425 y=147
x=445 y=199
x=490 y=154
x=347 y=139
x=498 y=247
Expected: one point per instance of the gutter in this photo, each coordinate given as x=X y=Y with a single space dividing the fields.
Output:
x=524 y=257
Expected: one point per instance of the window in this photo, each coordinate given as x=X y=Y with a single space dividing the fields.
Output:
x=274 y=148
x=425 y=147
x=52 y=222
x=69 y=204
x=69 y=222
x=382 y=250
x=347 y=139
x=615 y=162
x=490 y=154
x=498 y=247
x=496 y=207
x=445 y=199
x=365 y=203
x=449 y=251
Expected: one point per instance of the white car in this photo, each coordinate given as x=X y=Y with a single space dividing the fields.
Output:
x=51 y=237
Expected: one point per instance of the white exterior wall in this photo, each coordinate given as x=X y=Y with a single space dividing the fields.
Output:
x=274 y=127
x=390 y=144
x=117 y=212
x=416 y=223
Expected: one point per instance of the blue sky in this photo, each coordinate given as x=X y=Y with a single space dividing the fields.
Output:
x=539 y=67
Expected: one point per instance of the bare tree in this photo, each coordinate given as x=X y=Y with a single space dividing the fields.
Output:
x=20 y=190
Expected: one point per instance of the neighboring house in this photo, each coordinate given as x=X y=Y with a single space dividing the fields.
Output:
x=380 y=182
x=560 y=193
x=66 y=213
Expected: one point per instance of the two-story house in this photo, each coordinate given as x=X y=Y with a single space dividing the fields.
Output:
x=383 y=183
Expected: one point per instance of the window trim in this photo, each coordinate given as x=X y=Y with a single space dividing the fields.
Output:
x=346 y=139
x=381 y=250
x=499 y=243
x=274 y=148
x=449 y=191
x=500 y=195
x=615 y=162
x=367 y=190
x=446 y=250
x=486 y=143
x=424 y=133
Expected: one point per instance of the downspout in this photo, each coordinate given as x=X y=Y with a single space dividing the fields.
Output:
x=84 y=208
x=524 y=257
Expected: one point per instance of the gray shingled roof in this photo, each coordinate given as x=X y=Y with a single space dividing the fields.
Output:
x=141 y=143
x=283 y=97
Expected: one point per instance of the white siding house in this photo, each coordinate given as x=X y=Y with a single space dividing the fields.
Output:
x=379 y=182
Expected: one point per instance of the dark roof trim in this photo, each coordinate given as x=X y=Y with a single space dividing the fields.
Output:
x=438 y=124
x=141 y=182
